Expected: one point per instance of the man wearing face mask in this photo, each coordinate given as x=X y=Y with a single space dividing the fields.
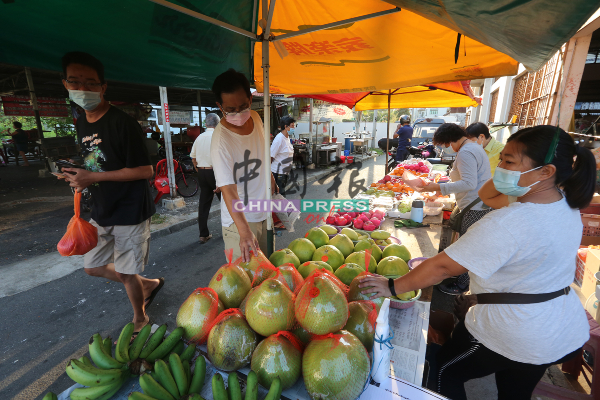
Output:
x=237 y=151
x=479 y=132
x=117 y=168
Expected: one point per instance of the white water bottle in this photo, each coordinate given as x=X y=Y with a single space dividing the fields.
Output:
x=382 y=347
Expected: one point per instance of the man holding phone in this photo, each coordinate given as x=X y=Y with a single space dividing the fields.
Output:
x=117 y=169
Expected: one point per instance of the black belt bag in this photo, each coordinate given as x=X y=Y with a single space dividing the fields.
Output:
x=463 y=302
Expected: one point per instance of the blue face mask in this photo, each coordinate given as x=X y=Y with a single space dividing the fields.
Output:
x=291 y=131
x=87 y=100
x=507 y=182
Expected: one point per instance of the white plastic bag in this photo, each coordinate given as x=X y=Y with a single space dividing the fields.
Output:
x=382 y=347
x=287 y=218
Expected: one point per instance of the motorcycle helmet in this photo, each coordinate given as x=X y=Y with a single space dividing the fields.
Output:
x=405 y=119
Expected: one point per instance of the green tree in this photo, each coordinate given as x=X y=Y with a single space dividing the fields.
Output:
x=56 y=126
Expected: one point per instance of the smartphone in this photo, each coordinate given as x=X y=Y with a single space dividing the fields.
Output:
x=66 y=164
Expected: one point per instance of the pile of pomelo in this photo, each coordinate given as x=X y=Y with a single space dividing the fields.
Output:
x=299 y=313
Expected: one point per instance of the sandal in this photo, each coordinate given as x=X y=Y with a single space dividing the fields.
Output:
x=153 y=294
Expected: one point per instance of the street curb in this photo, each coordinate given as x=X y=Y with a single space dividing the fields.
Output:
x=176 y=227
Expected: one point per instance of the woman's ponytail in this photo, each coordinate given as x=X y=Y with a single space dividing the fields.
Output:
x=580 y=186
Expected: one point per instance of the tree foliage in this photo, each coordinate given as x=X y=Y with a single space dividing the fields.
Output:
x=395 y=113
x=56 y=126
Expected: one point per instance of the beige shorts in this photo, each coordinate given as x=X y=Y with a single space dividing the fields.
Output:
x=127 y=246
x=231 y=237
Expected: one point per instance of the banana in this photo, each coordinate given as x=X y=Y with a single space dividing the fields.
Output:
x=194 y=396
x=107 y=345
x=275 y=390
x=154 y=341
x=188 y=353
x=104 y=392
x=188 y=372
x=199 y=375
x=91 y=376
x=139 y=396
x=153 y=388
x=86 y=361
x=167 y=345
x=50 y=396
x=164 y=377
x=138 y=343
x=122 y=349
x=251 y=386
x=100 y=358
x=218 y=387
x=179 y=374
x=178 y=348
x=233 y=387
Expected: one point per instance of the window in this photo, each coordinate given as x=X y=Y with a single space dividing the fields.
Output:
x=421 y=114
x=433 y=112
x=493 y=104
x=593 y=56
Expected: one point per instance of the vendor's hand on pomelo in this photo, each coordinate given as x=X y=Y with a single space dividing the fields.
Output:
x=370 y=287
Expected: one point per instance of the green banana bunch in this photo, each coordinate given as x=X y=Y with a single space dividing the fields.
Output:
x=88 y=375
x=171 y=382
x=50 y=396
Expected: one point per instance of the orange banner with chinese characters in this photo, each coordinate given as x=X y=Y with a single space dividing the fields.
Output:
x=386 y=52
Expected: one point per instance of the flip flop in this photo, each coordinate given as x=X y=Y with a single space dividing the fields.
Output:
x=154 y=292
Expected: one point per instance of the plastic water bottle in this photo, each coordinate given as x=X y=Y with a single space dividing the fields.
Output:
x=382 y=347
x=416 y=213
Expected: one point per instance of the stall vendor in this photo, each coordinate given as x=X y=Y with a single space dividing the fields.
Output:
x=525 y=251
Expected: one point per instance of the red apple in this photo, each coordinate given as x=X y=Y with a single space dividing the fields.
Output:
x=347 y=216
x=363 y=218
x=387 y=178
x=336 y=215
x=369 y=226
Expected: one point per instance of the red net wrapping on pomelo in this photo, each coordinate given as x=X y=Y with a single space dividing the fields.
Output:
x=352 y=367
x=361 y=321
x=279 y=355
x=321 y=306
x=263 y=272
x=197 y=314
x=81 y=236
x=270 y=307
x=231 y=341
x=231 y=283
x=326 y=274
x=252 y=267
x=291 y=275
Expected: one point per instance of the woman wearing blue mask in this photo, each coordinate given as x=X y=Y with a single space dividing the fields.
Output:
x=522 y=316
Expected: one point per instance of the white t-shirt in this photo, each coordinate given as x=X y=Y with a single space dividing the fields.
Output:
x=201 y=149
x=281 y=150
x=525 y=248
x=227 y=148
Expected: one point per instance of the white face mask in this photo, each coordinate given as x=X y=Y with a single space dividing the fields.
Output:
x=87 y=100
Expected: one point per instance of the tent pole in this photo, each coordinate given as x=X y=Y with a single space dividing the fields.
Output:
x=387 y=143
x=199 y=101
x=164 y=105
x=267 y=117
x=34 y=103
x=374 y=140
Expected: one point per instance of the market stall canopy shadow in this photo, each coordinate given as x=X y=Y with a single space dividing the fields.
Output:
x=452 y=94
x=143 y=42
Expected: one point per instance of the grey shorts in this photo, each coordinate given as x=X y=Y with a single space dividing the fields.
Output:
x=127 y=246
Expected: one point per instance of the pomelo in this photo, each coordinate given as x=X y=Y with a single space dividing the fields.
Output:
x=276 y=357
x=362 y=245
x=351 y=233
x=347 y=272
x=330 y=230
x=307 y=268
x=231 y=343
x=376 y=252
x=359 y=258
x=406 y=296
x=392 y=265
x=270 y=308
x=321 y=306
x=252 y=266
x=355 y=293
x=329 y=254
x=291 y=276
x=302 y=334
x=303 y=249
x=335 y=368
x=343 y=244
x=284 y=256
x=243 y=303
x=379 y=234
x=358 y=323
x=397 y=250
x=317 y=236
x=232 y=284
x=197 y=313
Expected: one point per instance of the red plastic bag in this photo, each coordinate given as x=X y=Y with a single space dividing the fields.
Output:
x=81 y=236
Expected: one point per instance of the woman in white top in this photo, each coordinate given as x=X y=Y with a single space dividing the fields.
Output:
x=282 y=153
x=529 y=247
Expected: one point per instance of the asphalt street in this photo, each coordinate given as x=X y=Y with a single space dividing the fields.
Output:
x=44 y=327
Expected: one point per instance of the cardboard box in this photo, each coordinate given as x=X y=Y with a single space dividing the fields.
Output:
x=592 y=265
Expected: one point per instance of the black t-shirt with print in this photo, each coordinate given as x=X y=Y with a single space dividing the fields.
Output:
x=114 y=142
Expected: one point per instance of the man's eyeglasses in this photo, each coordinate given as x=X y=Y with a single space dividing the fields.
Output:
x=87 y=85
x=234 y=113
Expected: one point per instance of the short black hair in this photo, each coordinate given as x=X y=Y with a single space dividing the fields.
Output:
x=228 y=82
x=476 y=129
x=17 y=124
x=286 y=121
x=80 y=57
x=447 y=133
